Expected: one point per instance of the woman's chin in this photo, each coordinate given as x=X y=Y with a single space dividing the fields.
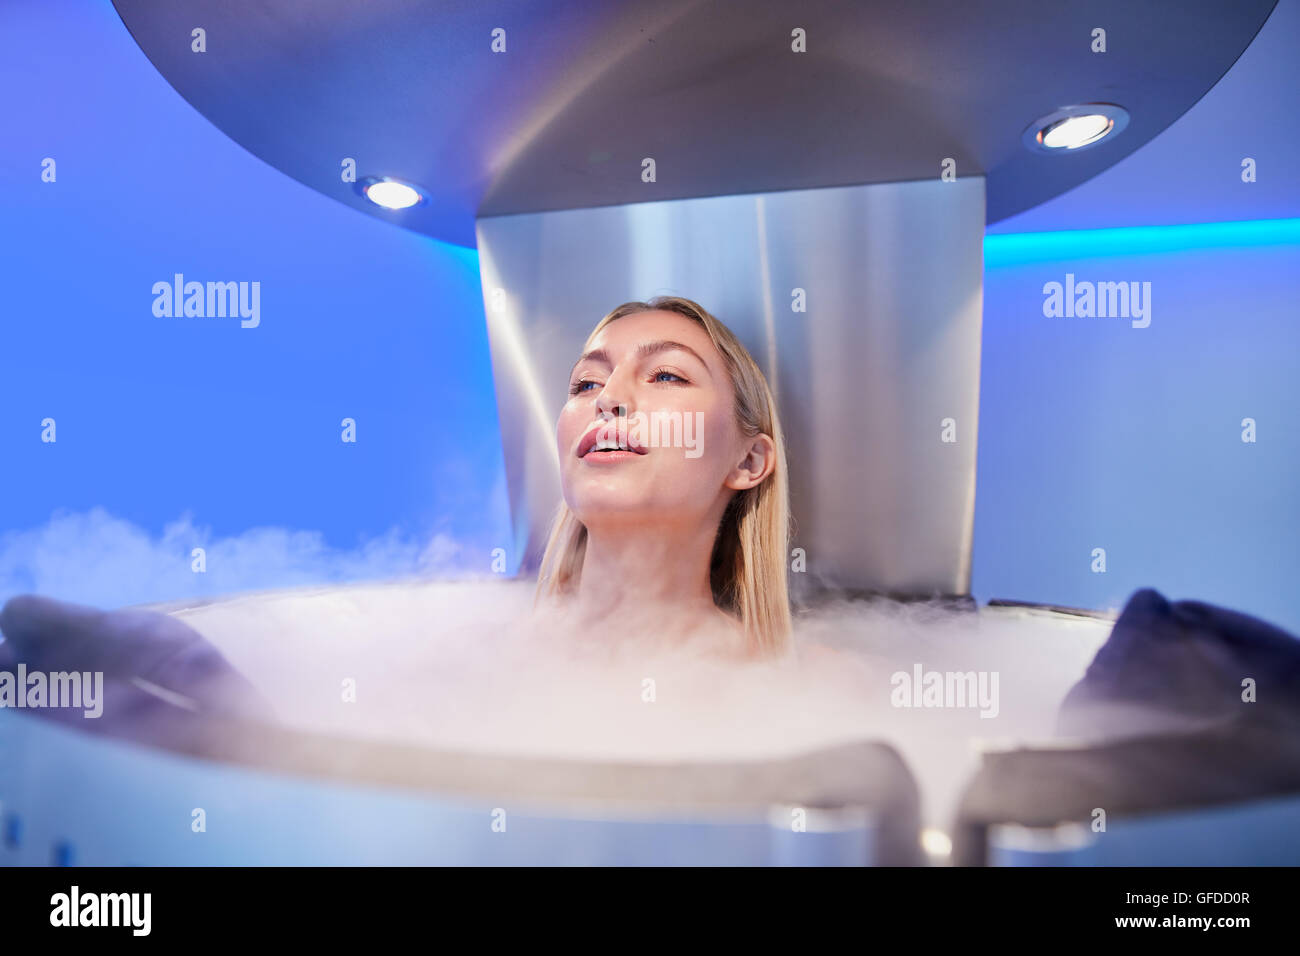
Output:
x=615 y=507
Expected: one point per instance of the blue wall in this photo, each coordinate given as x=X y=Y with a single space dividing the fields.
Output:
x=1097 y=434
x=196 y=423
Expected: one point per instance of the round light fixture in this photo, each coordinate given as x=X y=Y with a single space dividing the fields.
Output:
x=391 y=193
x=1073 y=128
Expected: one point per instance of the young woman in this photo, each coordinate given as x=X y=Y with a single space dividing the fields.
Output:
x=675 y=518
x=673 y=536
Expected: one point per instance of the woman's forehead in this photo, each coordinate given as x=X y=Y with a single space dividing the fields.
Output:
x=632 y=331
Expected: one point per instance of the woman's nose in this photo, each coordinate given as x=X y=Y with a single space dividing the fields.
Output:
x=614 y=400
x=615 y=409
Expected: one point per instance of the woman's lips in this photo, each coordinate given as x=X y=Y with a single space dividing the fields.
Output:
x=587 y=444
x=609 y=457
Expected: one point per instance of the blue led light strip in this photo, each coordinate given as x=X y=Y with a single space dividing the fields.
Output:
x=1017 y=248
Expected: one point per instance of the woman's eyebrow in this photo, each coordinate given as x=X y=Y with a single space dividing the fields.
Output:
x=645 y=350
x=595 y=355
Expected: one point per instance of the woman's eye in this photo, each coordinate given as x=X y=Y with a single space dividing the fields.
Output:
x=663 y=375
x=580 y=386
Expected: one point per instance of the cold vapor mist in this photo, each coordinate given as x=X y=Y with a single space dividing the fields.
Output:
x=467 y=664
x=95 y=558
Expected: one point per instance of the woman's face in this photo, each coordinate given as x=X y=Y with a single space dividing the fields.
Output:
x=648 y=435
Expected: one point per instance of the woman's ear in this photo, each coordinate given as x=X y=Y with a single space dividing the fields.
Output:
x=758 y=463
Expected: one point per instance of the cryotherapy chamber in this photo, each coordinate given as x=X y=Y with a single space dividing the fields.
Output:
x=820 y=181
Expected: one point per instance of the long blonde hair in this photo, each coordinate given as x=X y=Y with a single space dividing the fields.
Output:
x=747 y=571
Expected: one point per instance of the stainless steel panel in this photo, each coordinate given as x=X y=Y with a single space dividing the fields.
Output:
x=888 y=348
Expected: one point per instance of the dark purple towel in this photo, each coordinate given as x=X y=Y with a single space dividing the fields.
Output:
x=1182 y=666
x=161 y=679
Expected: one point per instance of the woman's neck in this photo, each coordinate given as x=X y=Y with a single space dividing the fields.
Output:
x=648 y=579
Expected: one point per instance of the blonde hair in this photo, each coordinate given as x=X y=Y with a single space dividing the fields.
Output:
x=747 y=570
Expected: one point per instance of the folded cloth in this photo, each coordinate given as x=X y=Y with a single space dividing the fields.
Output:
x=161 y=679
x=1185 y=666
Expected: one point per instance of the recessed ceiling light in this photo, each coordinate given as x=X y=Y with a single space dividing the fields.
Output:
x=1072 y=128
x=391 y=193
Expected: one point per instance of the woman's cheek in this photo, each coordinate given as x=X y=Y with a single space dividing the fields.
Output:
x=720 y=435
x=564 y=436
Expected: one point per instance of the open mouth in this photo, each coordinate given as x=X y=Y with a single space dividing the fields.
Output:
x=600 y=447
